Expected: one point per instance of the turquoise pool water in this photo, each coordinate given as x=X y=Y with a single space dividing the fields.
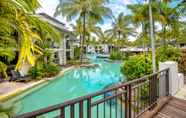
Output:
x=73 y=84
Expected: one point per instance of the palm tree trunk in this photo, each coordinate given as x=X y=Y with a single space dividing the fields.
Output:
x=84 y=31
x=119 y=34
x=152 y=38
x=164 y=35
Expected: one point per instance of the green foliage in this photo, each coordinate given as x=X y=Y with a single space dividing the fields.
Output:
x=7 y=111
x=137 y=66
x=77 y=52
x=115 y=55
x=51 y=70
x=140 y=65
x=36 y=72
x=41 y=71
x=168 y=53
x=182 y=62
x=44 y=66
x=19 y=23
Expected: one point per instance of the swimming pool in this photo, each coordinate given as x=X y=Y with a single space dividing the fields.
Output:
x=78 y=82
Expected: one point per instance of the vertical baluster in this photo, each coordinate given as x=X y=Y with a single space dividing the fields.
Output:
x=126 y=102
x=130 y=102
x=150 y=91
x=110 y=108
x=156 y=84
x=153 y=88
x=138 y=99
x=167 y=82
x=62 y=112
x=89 y=108
x=122 y=104
x=72 y=111
x=97 y=110
x=116 y=107
x=104 y=110
x=146 y=88
x=134 y=100
x=81 y=109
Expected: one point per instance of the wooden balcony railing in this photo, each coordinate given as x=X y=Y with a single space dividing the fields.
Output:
x=126 y=100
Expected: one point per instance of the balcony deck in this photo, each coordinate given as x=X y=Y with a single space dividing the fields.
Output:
x=175 y=108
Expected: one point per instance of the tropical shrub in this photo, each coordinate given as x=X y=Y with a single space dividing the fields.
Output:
x=137 y=66
x=182 y=62
x=116 y=55
x=168 y=53
x=77 y=53
x=35 y=72
x=44 y=67
x=19 y=23
x=40 y=71
x=51 y=70
x=7 y=111
x=140 y=65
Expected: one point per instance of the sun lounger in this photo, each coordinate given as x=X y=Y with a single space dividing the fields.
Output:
x=16 y=76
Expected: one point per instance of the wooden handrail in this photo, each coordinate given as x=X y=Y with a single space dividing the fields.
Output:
x=88 y=98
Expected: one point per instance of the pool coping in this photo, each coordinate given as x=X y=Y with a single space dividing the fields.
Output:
x=44 y=81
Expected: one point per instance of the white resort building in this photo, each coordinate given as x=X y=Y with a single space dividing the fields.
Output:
x=64 y=51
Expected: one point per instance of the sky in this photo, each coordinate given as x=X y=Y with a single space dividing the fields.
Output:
x=117 y=6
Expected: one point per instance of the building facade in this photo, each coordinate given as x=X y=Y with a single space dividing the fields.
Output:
x=65 y=50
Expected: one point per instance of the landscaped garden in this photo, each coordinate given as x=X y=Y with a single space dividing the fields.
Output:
x=49 y=64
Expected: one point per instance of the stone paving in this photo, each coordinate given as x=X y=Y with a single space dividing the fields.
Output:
x=181 y=93
x=7 y=87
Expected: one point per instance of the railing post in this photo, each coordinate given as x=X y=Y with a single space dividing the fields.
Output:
x=89 y=107
x=128 y=104
x=126 y=101
x=167 y=82
x=130 y=101
x=150 y=90
x=81 y=109
x=62 y=112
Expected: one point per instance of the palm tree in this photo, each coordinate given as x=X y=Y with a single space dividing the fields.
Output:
x=84 y=10
x=18 y=17
x=168 y=18
x=121 y=28
x=102 y=36
x=152 y=37
x=140 y=19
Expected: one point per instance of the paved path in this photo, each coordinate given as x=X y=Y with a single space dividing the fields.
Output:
x=181 y=94
x=7 y=87
x=175 y=108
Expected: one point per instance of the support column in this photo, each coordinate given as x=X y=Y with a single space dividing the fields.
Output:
x=62 y=53
x=173 y=78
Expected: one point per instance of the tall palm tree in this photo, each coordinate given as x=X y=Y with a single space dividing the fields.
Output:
x=84 y=10
x=102 y=36
x=168 y=18
x=18 y=17
x=152 y=37
x=120 y=28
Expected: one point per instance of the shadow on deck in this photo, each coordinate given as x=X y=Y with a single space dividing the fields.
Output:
x=169 y=107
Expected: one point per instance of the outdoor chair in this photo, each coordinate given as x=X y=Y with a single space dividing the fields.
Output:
x=16 y=76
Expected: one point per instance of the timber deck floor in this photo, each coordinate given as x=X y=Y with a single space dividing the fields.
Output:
x=175 y=108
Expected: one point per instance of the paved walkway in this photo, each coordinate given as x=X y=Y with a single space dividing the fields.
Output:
x=7 y=87
x=181 y=94
x=175 y=108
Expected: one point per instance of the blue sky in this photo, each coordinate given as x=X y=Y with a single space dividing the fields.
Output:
x=117 y=6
